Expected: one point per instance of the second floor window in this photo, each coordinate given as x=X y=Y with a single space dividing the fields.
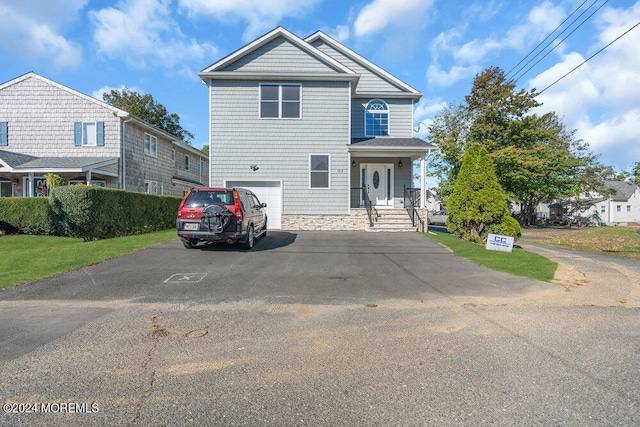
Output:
x=280 y=101
x=150 y=145
x=186 y=162
x=376 y=118
x=88 y=134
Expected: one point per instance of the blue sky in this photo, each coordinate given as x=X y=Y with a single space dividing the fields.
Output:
x=436 y=46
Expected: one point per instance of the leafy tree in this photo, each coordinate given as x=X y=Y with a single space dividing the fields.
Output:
x=477 y=205
x=205 y=149
x=535 y=157
x=636 y=173
x=54 y=180
x=146 y=108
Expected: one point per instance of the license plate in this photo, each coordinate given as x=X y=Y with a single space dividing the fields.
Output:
x=191 y=226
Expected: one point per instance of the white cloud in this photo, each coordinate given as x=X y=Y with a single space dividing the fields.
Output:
x=379 y=14
x=475 y=50
x=143 y=33
x=600 y=98
x=260 y=15
x=34 y=30
x=439 y=77
x=424 y=112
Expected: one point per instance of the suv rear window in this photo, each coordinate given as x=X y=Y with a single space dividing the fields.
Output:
x=201 y=198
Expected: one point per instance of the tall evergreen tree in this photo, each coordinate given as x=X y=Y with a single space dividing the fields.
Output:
x=477 y=205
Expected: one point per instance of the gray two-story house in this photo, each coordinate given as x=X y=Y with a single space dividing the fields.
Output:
x=314 y=129
x=46 y=127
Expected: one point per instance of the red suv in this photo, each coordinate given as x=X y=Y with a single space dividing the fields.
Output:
x=229 y=215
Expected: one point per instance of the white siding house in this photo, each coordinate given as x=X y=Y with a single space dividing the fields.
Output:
x=46 y=127
x=308 y=124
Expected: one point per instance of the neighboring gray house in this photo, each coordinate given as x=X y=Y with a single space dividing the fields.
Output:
x=306 y=124
x=46 y=127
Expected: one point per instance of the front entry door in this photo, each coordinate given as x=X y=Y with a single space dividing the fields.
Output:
x=378 y=183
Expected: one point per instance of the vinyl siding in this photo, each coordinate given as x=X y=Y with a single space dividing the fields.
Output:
x=281 y=147
x=369 y=81
x=279 y=55
x=41 y=120
x=400 y=117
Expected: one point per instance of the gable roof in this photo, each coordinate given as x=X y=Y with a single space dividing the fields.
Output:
x=337 y=70
x=32 y=75
x=320 y=37
x=622 y=190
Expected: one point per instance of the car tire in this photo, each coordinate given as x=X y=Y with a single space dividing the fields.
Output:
x=250 y=238
x=190 y=243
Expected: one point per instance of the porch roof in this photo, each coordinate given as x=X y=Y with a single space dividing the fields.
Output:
x=24 y=163
x=390 y=147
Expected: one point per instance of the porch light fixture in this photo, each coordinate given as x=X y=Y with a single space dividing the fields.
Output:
x=399 y=163
x=353 y=163
x=254 y=167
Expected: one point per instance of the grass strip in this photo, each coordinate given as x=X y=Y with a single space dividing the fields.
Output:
x=26 y=258
x=518 y=263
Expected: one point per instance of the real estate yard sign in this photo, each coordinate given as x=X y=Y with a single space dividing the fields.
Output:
x=496 y=242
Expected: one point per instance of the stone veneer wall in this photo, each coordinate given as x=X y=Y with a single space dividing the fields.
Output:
x=357 y=221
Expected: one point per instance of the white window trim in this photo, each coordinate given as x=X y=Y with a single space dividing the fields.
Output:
x=328 y=187
x=86 y=134
x=150 y=185
x=150 y=152
x=364 y=118
x=280 y=102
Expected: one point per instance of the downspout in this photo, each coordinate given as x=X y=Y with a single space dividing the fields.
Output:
x=123 y=180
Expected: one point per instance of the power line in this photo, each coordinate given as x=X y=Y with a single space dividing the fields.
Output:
x=545 y=39
x=588 y=59
x=521 y=74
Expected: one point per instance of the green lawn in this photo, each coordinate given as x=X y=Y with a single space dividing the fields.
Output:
x=618 y=241
x=519 y=262
x=26 y=258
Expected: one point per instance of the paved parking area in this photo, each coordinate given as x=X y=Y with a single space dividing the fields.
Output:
x=286 y=334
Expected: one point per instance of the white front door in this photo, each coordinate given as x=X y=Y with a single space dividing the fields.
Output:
x=379 y=183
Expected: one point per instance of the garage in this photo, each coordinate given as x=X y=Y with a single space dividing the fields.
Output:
x=269 y=192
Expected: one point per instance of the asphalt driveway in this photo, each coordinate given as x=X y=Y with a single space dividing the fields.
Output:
x=286 y=334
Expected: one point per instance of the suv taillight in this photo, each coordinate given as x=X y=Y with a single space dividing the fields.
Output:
x=236 y=206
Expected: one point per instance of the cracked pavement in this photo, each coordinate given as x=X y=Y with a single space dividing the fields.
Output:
x=281 y=335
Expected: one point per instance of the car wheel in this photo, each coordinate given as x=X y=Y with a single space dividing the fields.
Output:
x=250 y=238
x=190 y=243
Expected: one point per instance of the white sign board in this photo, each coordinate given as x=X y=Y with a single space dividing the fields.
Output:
x=496 y=242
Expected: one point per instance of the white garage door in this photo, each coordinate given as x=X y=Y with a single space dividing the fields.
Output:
x=269 y=192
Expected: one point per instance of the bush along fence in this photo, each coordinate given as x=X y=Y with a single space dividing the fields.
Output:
x=89 y=213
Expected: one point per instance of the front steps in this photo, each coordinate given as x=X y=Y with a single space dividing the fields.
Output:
x=391 y=220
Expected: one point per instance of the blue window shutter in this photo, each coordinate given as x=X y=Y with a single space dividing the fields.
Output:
x=4 y=136
x=100 y=134
x=77 y=134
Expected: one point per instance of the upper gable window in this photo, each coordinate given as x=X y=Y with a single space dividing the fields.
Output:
x=280 y=101
x=88 y=134
x=376 y=118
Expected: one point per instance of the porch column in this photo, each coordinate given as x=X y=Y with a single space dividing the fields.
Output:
x=30 y=184
x=88 y=177
x=423 y=181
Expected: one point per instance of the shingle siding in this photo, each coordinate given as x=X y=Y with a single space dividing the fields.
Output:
x=41 y=120
x=369 y=82
x=281 y=147
x=277 y=55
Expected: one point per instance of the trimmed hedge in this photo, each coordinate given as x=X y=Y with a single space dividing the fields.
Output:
x=100 y=213
x=26 y=215
x=89 y=213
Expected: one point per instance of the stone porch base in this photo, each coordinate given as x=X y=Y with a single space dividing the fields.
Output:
x=356 y=221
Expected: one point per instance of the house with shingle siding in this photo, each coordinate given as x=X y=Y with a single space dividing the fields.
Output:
x=46 y=127
x=315 y=130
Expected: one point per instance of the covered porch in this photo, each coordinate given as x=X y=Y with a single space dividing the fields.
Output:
x=23 y=175
x=382 y=171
